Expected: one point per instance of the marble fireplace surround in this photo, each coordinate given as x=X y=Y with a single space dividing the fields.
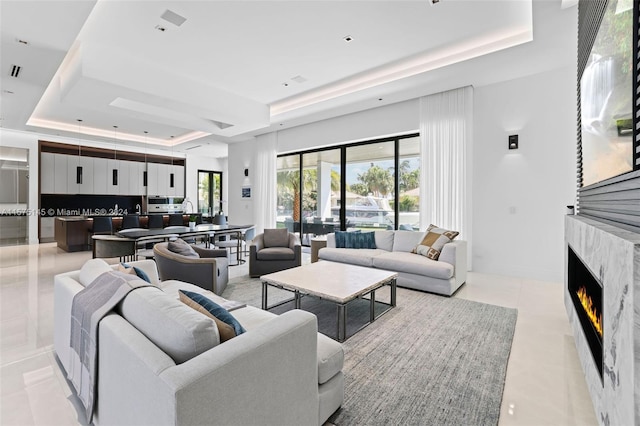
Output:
x=613 y=256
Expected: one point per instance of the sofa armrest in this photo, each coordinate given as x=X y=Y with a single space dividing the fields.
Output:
x=455 y=253
x=293 y=241
x=233 y=383
x=331 y=240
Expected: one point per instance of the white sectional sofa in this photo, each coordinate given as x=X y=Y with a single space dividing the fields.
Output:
x=281 y=371
x=393 y=252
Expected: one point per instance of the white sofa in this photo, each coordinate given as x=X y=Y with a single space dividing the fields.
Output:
x=393 y=252
x=280 y=372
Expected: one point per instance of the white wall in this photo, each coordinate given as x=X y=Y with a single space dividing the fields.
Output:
x=536 y=182
x=198 y=162
x=243 y=210
x=520 y=196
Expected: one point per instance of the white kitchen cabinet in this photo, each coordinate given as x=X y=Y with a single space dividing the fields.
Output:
x=47 y=172
x=134 y=182
x=73 y=162
x=86 y=185
x=152 y=179
x=113 y=177
x=124 y=175
x=163 y=179
x=60 y=174
x=178 y=181
x=100 y=176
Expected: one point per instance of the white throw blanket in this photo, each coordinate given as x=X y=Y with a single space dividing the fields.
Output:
x=89 y=306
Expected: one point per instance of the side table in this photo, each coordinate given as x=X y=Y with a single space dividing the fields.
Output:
x=316 y=244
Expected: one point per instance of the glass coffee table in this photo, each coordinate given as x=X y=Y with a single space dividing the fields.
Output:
x=339 y=283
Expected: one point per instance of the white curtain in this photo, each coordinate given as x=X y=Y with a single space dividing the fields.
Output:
x=446 y=133
x=264 y=182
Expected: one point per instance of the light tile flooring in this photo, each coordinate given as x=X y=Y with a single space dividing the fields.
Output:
x=544 y=384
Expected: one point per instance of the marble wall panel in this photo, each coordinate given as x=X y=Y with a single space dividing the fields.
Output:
x=613 y=255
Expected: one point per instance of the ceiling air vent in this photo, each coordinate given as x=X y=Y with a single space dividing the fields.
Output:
x=15 y=70
x=174 y=18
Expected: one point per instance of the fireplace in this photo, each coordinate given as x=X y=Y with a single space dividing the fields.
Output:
x=586 y=295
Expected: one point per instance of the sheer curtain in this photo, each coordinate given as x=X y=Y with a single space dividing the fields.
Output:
x=446 y=133
x=264 y=182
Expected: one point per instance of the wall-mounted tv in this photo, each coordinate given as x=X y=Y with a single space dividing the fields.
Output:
x=606 y=91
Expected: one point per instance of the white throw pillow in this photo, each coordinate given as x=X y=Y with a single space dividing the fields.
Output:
x=92 y=269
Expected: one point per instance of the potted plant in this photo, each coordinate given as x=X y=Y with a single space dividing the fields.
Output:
x=192 y=220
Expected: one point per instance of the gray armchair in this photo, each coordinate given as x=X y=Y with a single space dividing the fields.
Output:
x=278 y=251
x=209 y=271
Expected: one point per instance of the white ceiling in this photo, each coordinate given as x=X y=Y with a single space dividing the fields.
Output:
x=220 y=76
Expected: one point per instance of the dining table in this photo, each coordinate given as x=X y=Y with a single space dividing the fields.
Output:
x=206 y=231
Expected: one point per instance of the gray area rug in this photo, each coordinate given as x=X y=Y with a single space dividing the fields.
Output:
x=431 y=360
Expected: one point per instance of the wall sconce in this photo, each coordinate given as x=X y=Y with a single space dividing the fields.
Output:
x=246 y=172
x=513 y=141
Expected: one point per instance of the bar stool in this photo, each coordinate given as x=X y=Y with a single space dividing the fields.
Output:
x=130 y=221
x=156 y=221
x=176 y=220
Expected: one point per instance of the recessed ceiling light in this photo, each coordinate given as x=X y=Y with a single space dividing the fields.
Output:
x=8 y=92
x=379 y=99
x=348 y=39
x=19 y=40
x=285 y=84
x=161 y=29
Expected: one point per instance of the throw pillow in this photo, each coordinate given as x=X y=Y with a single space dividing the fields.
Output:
x=225 y=331
x=128 y=269
x=432 y=243
x=341 y=237
x=91 y=270
x=182 y=248
x=360 y=240
x=215 y=310
x=276 y=237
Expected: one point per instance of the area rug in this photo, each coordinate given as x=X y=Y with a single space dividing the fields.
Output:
x=431 y=360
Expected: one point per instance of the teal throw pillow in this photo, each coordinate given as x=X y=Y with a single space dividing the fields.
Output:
x=216 y=310
x=139 y=272
x=341 y=237
x=360 y=240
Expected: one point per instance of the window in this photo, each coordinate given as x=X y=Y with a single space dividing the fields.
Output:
x=352 y=186
x=209 y=193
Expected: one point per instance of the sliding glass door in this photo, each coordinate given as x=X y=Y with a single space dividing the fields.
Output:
x=209 y=193
x=368 y=185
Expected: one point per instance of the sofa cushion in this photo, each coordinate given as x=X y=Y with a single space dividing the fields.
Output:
x=276 y=253
x=359 y=240
x=384 y=240
x=182 y=248
x=178 y=330
x=216 y=310
x=91 y=270
x=433 y=241
x=330 y=358
x=225 y=331
x=413 y=264
x=276 y=237
x=406 y=241
x=361 y=257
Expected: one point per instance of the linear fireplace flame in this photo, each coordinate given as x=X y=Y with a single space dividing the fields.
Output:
x=587 y=303
x=586 y=294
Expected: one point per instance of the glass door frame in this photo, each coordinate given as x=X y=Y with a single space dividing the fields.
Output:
x=212 y=174
x=343 y=172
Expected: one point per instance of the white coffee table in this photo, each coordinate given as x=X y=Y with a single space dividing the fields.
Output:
x=339 y=283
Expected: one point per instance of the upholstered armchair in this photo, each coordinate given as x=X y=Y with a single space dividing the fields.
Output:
x=209 y=270
x=274 y=250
